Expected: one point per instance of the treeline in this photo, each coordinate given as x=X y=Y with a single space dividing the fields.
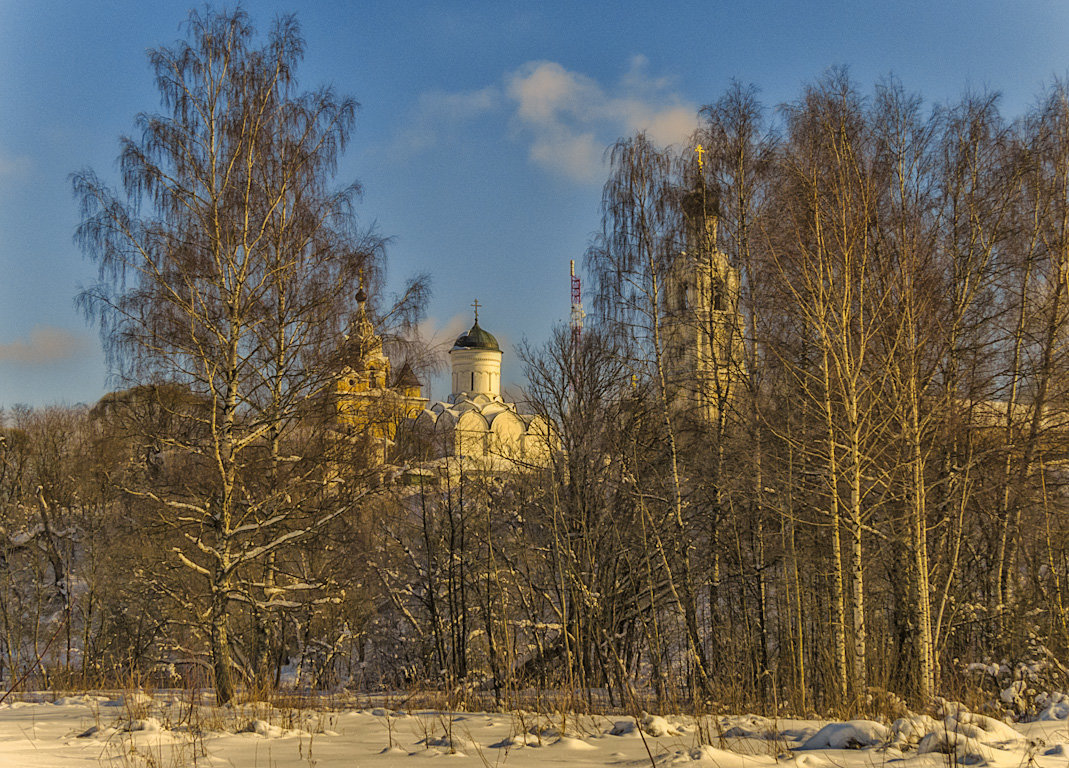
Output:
x=862 y=487
x=866 y=490
x=859 y=490
x=103 y=577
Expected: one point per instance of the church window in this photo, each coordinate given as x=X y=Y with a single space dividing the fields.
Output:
x=473 y=381
x=681 y=295
x=718 y=294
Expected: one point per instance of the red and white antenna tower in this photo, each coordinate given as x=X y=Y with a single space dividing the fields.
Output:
x=577 y=307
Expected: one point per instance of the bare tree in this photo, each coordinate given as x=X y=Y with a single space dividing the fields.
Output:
x=227 y=266
x=631 y=260
x=904 y=148
x=600 y=584
x=740 y=149
x=828 y=264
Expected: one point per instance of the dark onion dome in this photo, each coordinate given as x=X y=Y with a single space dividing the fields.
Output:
x=477 y=338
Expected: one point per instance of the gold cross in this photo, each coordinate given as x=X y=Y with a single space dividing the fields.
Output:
x=701 y=153
x=476 y=305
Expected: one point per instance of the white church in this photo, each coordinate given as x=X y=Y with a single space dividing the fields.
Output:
x=474 y=424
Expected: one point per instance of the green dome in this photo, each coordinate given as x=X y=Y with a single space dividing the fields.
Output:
x=477 y=338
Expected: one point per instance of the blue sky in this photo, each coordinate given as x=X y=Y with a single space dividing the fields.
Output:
x=481 y=134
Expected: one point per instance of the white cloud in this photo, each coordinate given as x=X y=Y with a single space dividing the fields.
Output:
x=565 y=118
x=638 y=81
x=569 y=118
x=670 y=126
x=547 y=93
x=440 y=335
x=439 y=113
x=576 y=155
x=460 y=106
x=45 y=344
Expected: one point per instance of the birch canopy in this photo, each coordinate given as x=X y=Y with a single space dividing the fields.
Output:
x=227 y=266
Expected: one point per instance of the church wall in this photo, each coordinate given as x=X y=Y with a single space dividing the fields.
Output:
x=506 y=435
x=703 y=348
x=472 y=431
x=477 y=371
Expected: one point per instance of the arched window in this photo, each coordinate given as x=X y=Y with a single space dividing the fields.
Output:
x=681 y=295
x=717 y=291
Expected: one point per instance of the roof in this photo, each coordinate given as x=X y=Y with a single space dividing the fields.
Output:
x=406 y=377
x=477 y=338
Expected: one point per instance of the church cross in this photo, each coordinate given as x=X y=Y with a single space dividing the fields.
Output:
x=701 y=155
x=476 y=305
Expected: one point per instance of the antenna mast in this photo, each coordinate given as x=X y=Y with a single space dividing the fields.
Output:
x=577 y=307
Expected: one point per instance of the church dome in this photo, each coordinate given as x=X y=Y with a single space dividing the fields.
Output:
x=477 y=338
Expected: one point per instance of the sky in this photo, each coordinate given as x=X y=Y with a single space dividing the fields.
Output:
x=480 y=141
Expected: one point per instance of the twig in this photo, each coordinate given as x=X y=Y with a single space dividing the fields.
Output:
x=36 y=663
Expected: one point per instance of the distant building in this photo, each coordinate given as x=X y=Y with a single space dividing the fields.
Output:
x=371 y=403
x=703 y=342
x=474 y=424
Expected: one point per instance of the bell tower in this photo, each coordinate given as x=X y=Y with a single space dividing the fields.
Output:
x=700 y=315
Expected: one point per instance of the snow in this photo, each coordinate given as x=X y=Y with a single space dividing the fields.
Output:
x=655 y=725
x=907 y=732
x=974 y=739
x=1012 y=693
x=269 y=731
x=855 y=734
x=1055 y=707
x=722 y=758
x=163 y=729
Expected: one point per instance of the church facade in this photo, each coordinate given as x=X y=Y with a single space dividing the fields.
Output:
x=371 y=401
x=703 y=335
x=475 y=424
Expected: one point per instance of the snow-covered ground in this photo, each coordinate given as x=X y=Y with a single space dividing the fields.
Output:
x=168 y=731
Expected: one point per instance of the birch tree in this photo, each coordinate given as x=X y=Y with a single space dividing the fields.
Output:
x=642 y=234
x=227 y=266
x=740 y=148
x=908 y=231
x=1041 y=280
x=827 y=261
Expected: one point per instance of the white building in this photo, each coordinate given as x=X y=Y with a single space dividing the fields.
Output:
x=474 y=423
